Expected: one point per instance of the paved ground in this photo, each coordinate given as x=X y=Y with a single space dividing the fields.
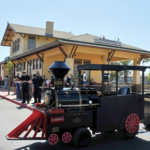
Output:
x=12 y=115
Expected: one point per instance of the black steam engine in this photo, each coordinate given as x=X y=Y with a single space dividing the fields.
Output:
x=70 y=113
x=69 y=108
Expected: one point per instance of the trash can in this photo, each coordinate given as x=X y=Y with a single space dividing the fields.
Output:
x=19 y=90
x=18 y=95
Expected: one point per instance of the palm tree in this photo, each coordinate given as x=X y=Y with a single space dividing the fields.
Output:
x=126 y=72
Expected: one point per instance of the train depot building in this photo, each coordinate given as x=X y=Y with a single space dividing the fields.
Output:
x=35 y=49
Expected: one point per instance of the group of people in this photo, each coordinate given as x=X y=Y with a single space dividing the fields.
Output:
x=37 y=81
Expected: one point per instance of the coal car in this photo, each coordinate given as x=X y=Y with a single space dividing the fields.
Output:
x=74 y=114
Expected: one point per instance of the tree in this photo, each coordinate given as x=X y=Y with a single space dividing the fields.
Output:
x=148 y=78
x=126 y=72
x=112 y=75
x=146 y=60
x=8 y=69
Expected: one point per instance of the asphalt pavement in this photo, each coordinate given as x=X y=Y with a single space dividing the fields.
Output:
x=11 y=115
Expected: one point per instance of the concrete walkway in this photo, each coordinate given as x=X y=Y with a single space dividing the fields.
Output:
x=4 y=92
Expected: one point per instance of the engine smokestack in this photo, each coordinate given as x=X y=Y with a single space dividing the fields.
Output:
x=59 y=69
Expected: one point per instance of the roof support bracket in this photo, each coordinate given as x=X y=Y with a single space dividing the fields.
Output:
x=62 y=50
x=23 y=35
x=71 y=51
x=19 y=62
x=74 y=51
x=14 y=64
x=41 y=58
x=141 y=58
x=27 y=61
x=110 y=55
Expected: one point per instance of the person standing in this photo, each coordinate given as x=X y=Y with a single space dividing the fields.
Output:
x=0 y=80
x=67 y=81
x=33 y=84
x=25 y=86
x=51 y=75
x=84 y=78
x=16 y=78
x=6 y=82
x=52 y=79
x=37 y=81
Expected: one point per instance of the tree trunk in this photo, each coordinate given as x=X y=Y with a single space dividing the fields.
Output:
x=9 y=86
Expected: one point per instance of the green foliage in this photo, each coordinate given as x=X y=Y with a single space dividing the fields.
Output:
x=146 y=60
x=148 y=78
x=8 y=69
x=126 y=72
x=112 y=75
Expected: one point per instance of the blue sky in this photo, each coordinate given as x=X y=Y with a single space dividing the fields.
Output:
x=128 y=19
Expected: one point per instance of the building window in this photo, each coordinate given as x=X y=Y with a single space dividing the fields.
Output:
x=24 y=65
x=16 y=45
x=31 y=42
x=19 y=67
x=34 y=64
x=86 y=62
x=2 y=67
x=31 y=66
x=41 y=64
x=37 y=63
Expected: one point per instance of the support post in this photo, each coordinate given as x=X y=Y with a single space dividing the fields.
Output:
x=103 y=83
x=70 y=63
x=142 y=82
x=116 y=81
x=136 y=78
x=79 y=75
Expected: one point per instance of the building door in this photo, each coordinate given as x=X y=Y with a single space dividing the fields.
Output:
x=77 y=62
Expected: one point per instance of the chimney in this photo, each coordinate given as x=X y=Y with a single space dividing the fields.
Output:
x=59 y=69
x=49 y=28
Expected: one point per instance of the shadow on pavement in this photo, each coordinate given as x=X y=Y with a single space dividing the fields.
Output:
x=103 y=141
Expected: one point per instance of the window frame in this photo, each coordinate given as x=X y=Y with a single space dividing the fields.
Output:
x=24 y=65
x=34 y=64
x=16 y=45
x=37 y=63
x=41 y=64
x=28 y=42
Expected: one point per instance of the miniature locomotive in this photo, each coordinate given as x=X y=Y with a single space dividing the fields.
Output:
x=70 y=113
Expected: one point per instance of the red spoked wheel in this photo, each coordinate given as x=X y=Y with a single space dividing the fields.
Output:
x=53 y=139
x=66 y=137
x=132 y=123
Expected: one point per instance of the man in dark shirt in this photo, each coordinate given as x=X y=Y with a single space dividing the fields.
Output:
x=67 y=82
x=52 y=82
x=25 y=87
x=37 y=81
x=51 y=75
x=17 y=76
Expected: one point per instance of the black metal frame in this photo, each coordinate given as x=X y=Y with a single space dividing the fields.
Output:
x=116 y=68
